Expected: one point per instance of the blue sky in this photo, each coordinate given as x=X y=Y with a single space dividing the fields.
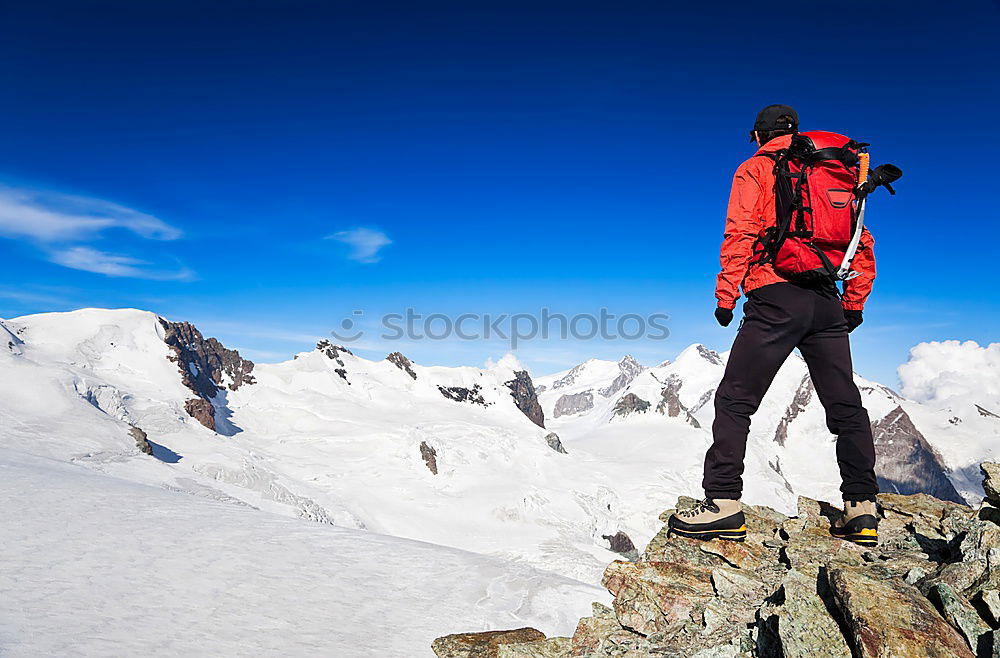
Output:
x=265 y=169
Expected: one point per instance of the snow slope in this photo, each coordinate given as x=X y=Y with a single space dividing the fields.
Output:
x=447 y=456
x=98 y=566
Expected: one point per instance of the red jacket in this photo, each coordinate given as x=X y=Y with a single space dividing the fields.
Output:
x=751 y=209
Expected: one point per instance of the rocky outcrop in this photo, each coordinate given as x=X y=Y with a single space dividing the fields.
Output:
x=553 y=440
x=930 y=588
x=670 y=401
x=202 y=411
x=628 y=369
x=991 y=482
x=141 y=440
x=906 y=462
x=206 y=368
x=462 y=394
x=576 y=403
x=709 y=355
x=622 y=544
x=397 y=359
x=482 y=645
x=629 y=404
x=335 y=353
x=206 y=365
x=429 y=455
x=803 y=395
x=522 y=389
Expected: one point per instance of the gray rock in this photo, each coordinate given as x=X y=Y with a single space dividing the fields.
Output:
x=628 y=370
x=959 y=613
x=141 y=440
x=802 y=623
x=553 y=440
x=397 y=359
x=553 y=647
x=629 y=404
x=991 y=481
x=567 y=405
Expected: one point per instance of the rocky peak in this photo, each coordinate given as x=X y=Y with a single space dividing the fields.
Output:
x=709 y=355
x=522 y=389
x=401 y=362
x=906 y=463
x=206 y=368
x=334 y=352
x=628 y=370
x=206 y=365
x=930 y=588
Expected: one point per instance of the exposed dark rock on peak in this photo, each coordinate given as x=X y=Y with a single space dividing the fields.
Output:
x=205 y=366
x=429 y=455
x=205 y=363
x=803 y=395
x=141 y=440
x=628 y=369
x=622 y=544
x=401 y=362
x=574 y=403
x=709 y=355
x=629 y=404
x=463 y=394
x=333 y=352
x=570 y=377
x=670 y=402
x=553 y=440
x=522 y=389
x=906 y=463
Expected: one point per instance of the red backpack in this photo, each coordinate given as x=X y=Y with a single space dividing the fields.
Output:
x=821 y=181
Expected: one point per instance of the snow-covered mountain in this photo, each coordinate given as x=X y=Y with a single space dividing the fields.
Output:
x=555 y=473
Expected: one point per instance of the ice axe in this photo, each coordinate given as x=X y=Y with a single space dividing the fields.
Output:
x=882 y=175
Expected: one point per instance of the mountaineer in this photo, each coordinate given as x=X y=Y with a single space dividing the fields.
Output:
x=794 y=229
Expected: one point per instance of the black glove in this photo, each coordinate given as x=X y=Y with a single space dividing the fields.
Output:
x=724 y=316
x=854 y=320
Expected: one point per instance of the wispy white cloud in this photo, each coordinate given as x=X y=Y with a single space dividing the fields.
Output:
x=53 y=217
x=365 y=243
x=89 y=259
x=60 y=225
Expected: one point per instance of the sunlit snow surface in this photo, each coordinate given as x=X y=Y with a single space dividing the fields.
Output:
x=97 y=566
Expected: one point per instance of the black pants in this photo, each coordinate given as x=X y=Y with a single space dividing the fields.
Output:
x=777 y=319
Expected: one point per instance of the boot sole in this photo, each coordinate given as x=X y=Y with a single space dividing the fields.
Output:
x=737 y=534
x=866 y=537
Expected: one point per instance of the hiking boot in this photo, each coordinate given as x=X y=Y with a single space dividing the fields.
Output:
x=721 y=518
x=859 y=523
